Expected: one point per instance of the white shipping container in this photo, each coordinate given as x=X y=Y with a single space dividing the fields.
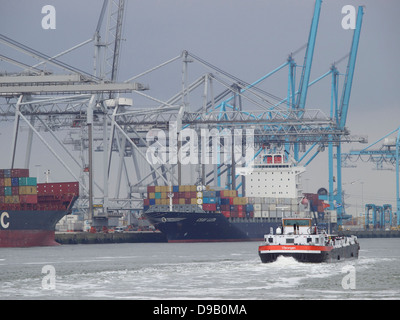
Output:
x=257 y=214
x=257 y=207
x=265 y=214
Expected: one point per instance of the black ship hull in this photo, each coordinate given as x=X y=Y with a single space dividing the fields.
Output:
x=209 y=227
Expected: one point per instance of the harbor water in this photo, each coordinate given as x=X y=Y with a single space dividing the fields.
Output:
x=194 y=271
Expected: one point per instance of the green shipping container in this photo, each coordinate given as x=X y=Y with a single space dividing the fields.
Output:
x=158 y=195
x=28 y=182
x=7 y=191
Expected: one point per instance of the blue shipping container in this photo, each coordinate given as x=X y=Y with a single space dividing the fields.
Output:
x=212 y=200
x=224 y=201
x=152 y=201
x=14 y=182
x=175 y=188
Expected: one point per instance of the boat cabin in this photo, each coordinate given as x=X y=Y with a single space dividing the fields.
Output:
x=297 y=226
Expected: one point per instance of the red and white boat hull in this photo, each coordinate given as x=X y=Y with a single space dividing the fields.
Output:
x=307 y=253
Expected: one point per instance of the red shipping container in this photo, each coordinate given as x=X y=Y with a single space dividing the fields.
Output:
x=231 y=201
x=151 y=189
x=234 y=214
x=175 y=201
x=188 y=201
x=1 y=182
x=15 y=191
x=187 y=195
x=240 y=207
x=1 y=191
x=209 y=206
x=181 y=195
x=28 y=198
x=19 y=173
x=146 y=202
x=241 y=214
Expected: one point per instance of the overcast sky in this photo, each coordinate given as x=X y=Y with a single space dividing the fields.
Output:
x=247 y=38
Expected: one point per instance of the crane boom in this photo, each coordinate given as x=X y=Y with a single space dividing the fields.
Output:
x=344 y=104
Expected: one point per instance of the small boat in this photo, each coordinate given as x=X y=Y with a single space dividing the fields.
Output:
x=298 y=238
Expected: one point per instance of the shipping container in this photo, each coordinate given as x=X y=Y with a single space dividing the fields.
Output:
x=27 y=181
x=257 y=214
x=27 y=190
x=19 y=173
x=224 y=201
x=151 y=189
x=7 y=182
x=28 y=198
x=175 y=188
x=158 y=195
x=8 y=191
x=15 y=191
x=209 y=207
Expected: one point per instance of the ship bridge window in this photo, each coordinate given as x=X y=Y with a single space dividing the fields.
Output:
x=297 y=222
x=289 y=240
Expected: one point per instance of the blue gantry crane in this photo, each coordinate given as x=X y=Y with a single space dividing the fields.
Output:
x=388 y=153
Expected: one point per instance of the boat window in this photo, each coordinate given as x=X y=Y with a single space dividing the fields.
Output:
x=297 y=222
x=289 y=240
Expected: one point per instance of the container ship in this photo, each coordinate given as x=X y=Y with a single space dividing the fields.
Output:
x=192 y=213
x=29 y=210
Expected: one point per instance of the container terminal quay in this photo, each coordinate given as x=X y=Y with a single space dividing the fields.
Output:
x=221 y=159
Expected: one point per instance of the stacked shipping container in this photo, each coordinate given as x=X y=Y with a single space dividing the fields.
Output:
x=18 y=191
x=17 y=187
x=190 y=197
